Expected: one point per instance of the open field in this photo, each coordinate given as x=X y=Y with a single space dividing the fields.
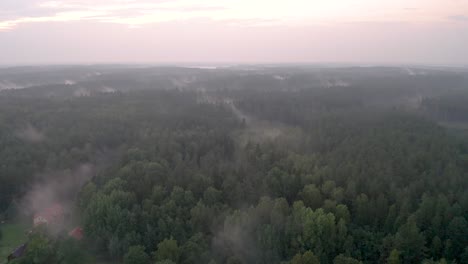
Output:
x=13 y=235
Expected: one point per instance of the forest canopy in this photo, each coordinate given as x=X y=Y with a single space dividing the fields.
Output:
x=252 y=168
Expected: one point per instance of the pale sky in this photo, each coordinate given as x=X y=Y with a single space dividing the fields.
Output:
x=234 y=31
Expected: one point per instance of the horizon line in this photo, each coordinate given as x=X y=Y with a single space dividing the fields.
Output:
x=233 y=64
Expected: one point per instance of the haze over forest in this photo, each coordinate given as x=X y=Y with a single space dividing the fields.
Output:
x=233 y=132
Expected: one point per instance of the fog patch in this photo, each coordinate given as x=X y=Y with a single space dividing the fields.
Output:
x=335 y=83
x=414 y=72
x=341 y=83
x=81 y=92
x=254 y=129
x=248 y=120
x=30 y=134
x=182 y=82
x=235 y=239
x=203 y=67
x=91 y=74
x=279 y=77
x=56 y=188
x=70 y=82
x=200 y=90
x=204 y=98
x=414 y=102
x=7 y=85
x=261 y=131
x=107 y=89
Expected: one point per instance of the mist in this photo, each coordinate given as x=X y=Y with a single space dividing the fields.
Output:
x=206 y=42
x=233 y=131
x=57 y=188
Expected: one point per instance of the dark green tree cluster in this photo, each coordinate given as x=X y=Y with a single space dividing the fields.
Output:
x=359 y=184
x=42 y=248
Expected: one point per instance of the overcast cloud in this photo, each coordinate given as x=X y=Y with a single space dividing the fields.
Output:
x=165 y=31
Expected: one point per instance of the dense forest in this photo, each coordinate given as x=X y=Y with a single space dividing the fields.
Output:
x=253 y=168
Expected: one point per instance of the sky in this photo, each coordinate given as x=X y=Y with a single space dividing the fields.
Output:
x=234 y=31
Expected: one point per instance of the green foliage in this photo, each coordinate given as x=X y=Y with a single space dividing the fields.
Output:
x=40 y=250
x=312 y=196
x=166 y=261
x=12 y=236
x=464 y=256
x=347 y=181
x=410 y=242
x=341 y=259
x=394 y=257
x=457 y=232
x=136 y=255
x=307 y=258
x=167 y=250
x=70 y=251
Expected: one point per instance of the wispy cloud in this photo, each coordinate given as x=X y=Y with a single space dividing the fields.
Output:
x=57 y=17
x=141 y=12
x=128 y=12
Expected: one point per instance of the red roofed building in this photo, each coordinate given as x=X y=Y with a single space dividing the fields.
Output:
x=76 y=233
x=51 y=215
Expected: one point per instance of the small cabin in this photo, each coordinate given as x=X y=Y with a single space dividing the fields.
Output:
x=50 y=216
